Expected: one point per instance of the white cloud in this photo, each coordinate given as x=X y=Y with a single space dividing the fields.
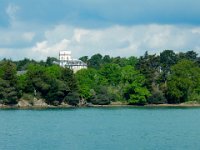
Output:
x=11 y=37
x=59 y=32
x=28 y=36
x=44 y=49
x=18 y=33
x=14 y=54
x=79 y=33
x=115 y=40
x=118 y=40
x=11 y=11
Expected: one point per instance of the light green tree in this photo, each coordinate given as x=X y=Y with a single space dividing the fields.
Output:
x=184 y=82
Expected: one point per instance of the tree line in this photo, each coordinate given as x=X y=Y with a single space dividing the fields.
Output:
x=150 y=79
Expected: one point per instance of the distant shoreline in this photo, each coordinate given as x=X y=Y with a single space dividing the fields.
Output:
x=99 y=106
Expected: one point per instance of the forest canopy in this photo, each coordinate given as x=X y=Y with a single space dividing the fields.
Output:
x=150 y=79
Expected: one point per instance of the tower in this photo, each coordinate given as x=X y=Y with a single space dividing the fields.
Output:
x=65 y=55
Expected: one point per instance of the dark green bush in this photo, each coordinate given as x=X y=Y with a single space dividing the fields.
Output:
x=72 y=98
x=100 y=99
x=157 y=97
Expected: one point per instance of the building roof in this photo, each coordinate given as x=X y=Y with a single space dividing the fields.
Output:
x=65 y=52
x=74 y=62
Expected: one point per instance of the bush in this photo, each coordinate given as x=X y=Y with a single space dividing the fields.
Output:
x=10 y=96
x=27 y=96
x=100 y=99
x=194 y=97
x=101 y=96
x=157 y=97
x=137 y=100
x=72 y=98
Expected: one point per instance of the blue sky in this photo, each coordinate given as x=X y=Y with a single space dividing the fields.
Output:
x=40 y=28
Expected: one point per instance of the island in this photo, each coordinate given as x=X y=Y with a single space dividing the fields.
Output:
x=165 y=79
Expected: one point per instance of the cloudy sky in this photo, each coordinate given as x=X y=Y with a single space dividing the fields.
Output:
x=40 y=28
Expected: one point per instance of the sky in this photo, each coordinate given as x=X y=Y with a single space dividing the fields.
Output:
x=37 y=29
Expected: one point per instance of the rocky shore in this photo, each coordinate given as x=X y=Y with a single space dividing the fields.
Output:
x=40 y=104
x=36 y=103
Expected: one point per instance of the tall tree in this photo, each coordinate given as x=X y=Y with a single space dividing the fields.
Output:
x=190 y=55
x=135 y=91
x=149 y=66
x=184 y=82
x=50 y=61
x=84 y=59
x=106 y=59
x=167 y=59
x=112 y=72
x=8 y=82
x=95 y=61
x=88 y=81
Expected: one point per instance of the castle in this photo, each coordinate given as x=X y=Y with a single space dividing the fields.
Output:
x=65 y=60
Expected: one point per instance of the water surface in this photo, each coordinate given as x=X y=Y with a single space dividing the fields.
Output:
x=126 y=128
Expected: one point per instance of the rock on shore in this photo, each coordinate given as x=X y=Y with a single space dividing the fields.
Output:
x=34 y=103
x=23 y=103
x=39 y=103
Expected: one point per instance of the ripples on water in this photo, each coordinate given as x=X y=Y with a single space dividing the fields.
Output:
x=100 y=129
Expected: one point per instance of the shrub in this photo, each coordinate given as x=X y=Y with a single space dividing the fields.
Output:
x=137 y=100
x=100 y=99
x=157 y=97
x=27 y=96
x=194 y=97
x=72 y=98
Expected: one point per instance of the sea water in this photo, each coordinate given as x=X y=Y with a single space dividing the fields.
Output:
x=126 y=128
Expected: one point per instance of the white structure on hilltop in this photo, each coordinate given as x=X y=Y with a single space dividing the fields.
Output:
x=66 y=60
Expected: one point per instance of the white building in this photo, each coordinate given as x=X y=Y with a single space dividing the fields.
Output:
x=65 y=55
x=65 y=60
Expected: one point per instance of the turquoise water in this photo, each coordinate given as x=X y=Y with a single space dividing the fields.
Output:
x=100 y=129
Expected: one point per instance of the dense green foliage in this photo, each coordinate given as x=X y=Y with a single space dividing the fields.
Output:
x=149 y=79
x=45 y=81
x=184 y=82
x=153 y=79
x=8 y=83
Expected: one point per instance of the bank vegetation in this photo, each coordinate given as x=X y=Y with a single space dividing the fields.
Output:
x=167 y=78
